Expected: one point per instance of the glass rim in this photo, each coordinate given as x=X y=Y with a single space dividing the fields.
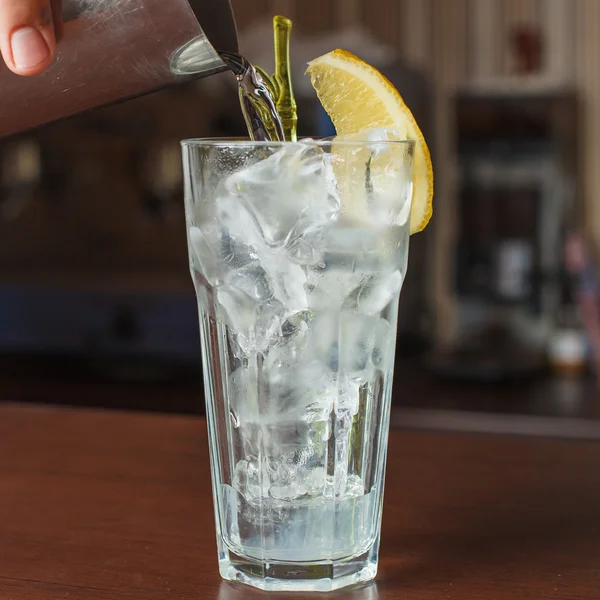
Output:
x=223 y=142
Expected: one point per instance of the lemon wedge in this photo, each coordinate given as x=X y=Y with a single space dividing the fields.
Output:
x=358 y=97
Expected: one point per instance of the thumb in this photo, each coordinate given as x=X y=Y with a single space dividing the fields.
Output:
x=27 y=38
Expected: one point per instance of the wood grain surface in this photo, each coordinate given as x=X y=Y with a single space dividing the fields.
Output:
x=114 y=505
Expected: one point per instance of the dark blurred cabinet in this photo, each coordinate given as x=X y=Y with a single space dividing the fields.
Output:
x=93 y=254
x=517 y=172
x=517 y=158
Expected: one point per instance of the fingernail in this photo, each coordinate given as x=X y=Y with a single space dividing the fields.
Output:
x=28 y=47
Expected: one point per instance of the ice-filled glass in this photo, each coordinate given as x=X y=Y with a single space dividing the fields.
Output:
x=298 y=252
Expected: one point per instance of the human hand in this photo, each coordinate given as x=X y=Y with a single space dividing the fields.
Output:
x=27 y=37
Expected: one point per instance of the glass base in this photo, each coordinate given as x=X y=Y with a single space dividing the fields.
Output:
x=321 y=576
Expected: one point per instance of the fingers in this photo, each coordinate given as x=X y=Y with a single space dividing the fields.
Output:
x=27 y=39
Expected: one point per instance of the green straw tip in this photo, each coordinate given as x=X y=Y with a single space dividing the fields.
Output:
x=279 y=20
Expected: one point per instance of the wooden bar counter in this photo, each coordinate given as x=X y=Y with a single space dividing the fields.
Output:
x=107 y=505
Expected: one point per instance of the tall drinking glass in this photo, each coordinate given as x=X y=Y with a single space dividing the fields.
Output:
x=298 y=252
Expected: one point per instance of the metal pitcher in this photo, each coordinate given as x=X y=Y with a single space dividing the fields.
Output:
x=113 y=50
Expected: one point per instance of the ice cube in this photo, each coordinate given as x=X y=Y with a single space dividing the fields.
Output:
x=289 y=347
x=381 y=134
x=243 y=395
x=356 y=342
x=346 y=401
x=252 y=280
x=284 y=476
x=375 y=178
x=289 y=492
x=240 y=477
x=329 y=288
x=239 y=311
x=286 y=483
x=354 y=487
x=315 y=481
x=344 y=342
x=378 y=291
x=235 y=253
x=239 y=221
x=216 y=254
x=303 y=392
x=287 y=279
x=389 y=178
x=383 y=348
x=205 y=246
x=301 y=252
x=358 y=248
x=296 y=327
x=304 y=458
x=268 y=324
x=277 y=273
x=254 y=323
x=247 y=481
x=283 y=194
x=324 y=339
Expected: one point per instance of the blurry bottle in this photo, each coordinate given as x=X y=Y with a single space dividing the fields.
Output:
x=163 y=183
x=567 y=350
x=21 y=172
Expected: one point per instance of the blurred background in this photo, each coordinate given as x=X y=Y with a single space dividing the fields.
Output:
x=500 y=312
